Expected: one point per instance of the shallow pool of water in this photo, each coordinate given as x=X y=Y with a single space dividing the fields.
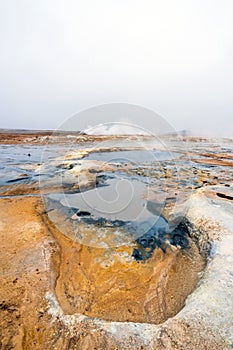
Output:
x=132 y=156
x=116 y=212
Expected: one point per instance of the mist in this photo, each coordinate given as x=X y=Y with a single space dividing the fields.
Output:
x=61 y=57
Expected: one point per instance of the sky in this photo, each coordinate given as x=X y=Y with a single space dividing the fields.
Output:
x=173 y=57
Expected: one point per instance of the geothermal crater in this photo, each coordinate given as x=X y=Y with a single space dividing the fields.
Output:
x=73 y=277
x=128 y=262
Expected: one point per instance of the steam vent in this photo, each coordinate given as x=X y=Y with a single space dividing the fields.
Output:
x=125 y=245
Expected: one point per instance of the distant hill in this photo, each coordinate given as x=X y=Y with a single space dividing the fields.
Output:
x=37 y=132
x=101 y=129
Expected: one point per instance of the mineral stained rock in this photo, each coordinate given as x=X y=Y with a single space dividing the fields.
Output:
x=48 y=289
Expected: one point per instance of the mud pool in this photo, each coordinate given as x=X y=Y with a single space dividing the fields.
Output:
x=111 y=206
x=115 y=214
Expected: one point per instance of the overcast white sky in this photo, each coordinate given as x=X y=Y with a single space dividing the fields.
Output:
x=59 y=57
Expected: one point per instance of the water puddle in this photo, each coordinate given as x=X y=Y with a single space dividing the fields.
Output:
x=133 y=156
x=118 y=207
x=19 y=163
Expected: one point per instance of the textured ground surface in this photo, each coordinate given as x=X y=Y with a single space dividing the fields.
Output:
x=36 y=307
x=57 y=294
